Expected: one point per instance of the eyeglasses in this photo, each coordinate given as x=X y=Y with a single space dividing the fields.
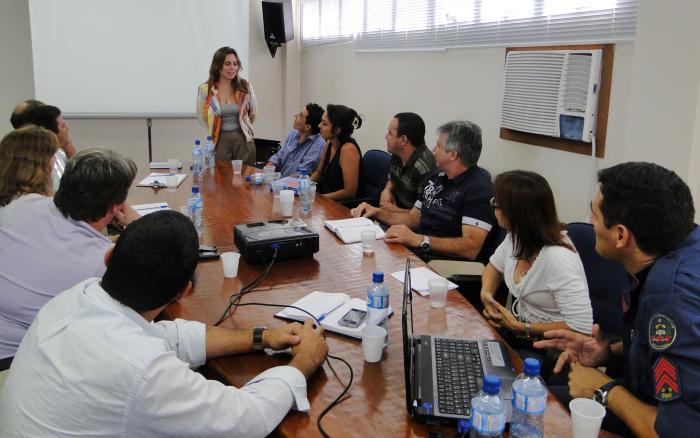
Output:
x=493 y=204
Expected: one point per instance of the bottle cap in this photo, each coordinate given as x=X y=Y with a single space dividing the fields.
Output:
x=492 y=384
x=377 y=277
x=209 y=138
x=302 y=170
x=195 y=189
x=531 y=367
x=197 y=142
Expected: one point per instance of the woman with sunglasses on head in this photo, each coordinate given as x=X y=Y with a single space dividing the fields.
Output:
x=339 y=172
x=226 y=106
x=538 y=262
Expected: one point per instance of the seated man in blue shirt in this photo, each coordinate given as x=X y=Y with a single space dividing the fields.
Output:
x=303 y=145
x=642 y=216
x=452 y=214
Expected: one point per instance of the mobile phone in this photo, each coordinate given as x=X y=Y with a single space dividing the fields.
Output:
x=353 y=318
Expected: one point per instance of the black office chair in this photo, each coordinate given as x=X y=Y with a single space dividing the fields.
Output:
x=375 y=173
x=607 y=280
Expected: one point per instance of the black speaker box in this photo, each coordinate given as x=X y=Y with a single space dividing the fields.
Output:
x=277 y=21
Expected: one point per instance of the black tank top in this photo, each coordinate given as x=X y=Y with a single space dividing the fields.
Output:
x=332 y=174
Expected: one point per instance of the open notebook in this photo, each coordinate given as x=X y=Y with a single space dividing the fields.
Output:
x=329 y=308
x=350 y=230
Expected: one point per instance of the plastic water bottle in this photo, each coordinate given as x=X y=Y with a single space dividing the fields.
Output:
x=304 y=191
x=197 y=161
x=195 y=206
x=529 y=402
x=377 y=301
x=209 y=157
x=488 y=411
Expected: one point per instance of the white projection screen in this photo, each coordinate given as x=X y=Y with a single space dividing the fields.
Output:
x=130 y=58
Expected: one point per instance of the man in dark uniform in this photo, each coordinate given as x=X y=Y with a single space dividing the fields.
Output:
x=642 y=215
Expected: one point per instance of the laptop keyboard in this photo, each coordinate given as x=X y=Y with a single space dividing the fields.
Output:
x=458 y=366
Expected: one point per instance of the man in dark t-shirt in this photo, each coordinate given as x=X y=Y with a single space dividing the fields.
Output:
x=452 y=214
x=411 y=162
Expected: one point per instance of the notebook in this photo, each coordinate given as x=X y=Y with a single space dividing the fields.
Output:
x=328 y=308
x=155 y=179
x=350 y=230
x=443 y=374
x=163 y=165
x=144 y=209
x=419 y=279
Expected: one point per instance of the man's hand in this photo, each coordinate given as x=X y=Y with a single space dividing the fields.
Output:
x=364 y=210
x=583 y=381
x=125 y=214
x=282 y=337
x=393 y=208
x=589 y=351
x=402 y=234
x=310 y=353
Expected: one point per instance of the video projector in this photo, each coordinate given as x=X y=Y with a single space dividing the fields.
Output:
x=257 y=241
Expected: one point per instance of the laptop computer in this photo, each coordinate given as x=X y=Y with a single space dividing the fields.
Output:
x=443 y=374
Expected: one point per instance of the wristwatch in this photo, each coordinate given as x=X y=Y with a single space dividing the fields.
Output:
x=601 y=394
x=258 y=339
x=425 y=244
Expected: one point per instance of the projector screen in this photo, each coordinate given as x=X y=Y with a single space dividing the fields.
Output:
x=131 y=58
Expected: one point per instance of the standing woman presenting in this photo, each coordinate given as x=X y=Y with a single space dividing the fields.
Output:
x=226 y=106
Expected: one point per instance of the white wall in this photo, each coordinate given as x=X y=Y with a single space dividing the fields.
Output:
x=652 y=106
x=16 y=54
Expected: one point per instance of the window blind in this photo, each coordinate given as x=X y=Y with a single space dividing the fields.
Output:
x=441 y=24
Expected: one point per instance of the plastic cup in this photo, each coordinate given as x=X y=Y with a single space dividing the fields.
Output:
x=237 y=166
x=276 y=176
x=373 y=337
x=268 y=173
x=586 y=417
x=312 y=191
x=173 y=165
x=277 y=187
x=287 y=202
x=171 y=181
x=230 y=262
x=368 y=238
x=438 y=292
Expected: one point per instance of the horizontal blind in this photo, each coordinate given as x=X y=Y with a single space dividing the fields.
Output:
x=440 y=24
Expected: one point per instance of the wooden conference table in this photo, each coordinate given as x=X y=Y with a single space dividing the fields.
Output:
x=376 y=404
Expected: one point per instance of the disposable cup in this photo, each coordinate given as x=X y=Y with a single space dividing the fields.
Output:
x=277 y=187
x=438 y=292
x=237 y=166
x=373 y=337
x=230 y=262
x=368 y=238
x=312 y=191
x=173 y=165
x=269 y=172
x=287 y=202
x=586 y=417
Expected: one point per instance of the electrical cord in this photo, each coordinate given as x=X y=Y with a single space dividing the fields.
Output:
x=338 y=399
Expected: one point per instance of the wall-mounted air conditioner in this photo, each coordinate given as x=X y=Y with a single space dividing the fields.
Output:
x=552 y=92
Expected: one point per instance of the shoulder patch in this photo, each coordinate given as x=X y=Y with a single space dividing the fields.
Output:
x=662 y=332
x=667 y=385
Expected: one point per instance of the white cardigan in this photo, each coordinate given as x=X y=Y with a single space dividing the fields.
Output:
x=554 y=289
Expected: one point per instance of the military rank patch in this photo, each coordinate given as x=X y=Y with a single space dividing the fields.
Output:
x=662 y=332
x=666 y=380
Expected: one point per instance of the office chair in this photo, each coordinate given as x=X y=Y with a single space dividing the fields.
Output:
x=607 y=280
x=375 y=173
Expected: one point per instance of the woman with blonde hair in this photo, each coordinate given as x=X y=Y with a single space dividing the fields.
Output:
x=26 y=160
x=226 y=106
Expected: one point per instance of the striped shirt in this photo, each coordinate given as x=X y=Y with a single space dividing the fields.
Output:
x=407 y=180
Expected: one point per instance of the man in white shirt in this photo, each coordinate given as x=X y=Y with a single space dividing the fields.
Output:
x=94 y=363
x=49 y=117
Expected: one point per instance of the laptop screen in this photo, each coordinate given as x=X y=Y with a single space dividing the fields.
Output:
x=407 y=332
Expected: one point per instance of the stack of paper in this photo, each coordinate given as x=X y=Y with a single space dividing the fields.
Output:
x=164 y=164
x=144 y=209
x=419 y=279
x=159 y=179
x=350 y=230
